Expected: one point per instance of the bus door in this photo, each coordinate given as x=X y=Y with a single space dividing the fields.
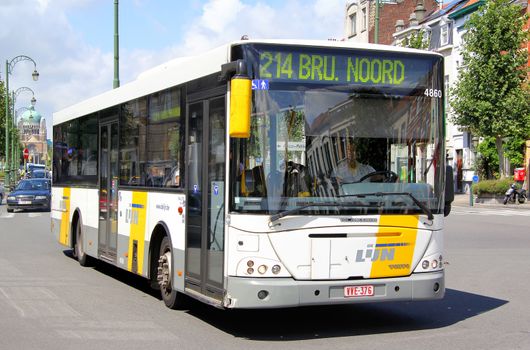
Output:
x=108 y=190
x=205 y=189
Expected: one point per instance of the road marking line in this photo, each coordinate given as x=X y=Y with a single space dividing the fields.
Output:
x=13 y=304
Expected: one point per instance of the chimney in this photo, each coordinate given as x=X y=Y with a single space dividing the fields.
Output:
x=413 y=21
x=420 y=11
x=400 y=25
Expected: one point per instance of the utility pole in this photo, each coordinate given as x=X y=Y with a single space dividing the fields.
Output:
x=6 y=161
x=116 y=82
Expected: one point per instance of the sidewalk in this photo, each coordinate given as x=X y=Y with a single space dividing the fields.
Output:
x=462 y=200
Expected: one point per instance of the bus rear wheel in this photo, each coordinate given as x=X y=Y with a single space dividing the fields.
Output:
x=171 y=297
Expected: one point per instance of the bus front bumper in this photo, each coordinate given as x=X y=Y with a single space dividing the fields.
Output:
x=255 y=293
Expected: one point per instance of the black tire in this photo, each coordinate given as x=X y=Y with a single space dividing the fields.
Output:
x=171 y=297
x=79 y=253
x=505 y=200
x=521 y=199
x=9 y=210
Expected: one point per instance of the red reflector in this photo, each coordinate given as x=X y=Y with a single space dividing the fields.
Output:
x=180 y=210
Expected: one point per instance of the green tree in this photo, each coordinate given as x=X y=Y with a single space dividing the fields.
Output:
x=491 y=97
x=487 y=162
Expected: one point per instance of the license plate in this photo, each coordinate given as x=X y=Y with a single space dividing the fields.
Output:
x=359 y=291
x=24 y=202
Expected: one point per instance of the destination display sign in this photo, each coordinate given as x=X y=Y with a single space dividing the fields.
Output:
x=344 y=67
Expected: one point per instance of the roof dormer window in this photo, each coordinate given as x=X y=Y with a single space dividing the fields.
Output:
x=444 y=34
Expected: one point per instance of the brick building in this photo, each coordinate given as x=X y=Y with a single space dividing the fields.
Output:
x=360 y=18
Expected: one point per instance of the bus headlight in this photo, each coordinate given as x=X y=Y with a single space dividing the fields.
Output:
x=261 y=267
x=429 y=263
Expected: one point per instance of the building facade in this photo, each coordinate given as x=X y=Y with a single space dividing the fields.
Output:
x=360 y=18
x=32 y=129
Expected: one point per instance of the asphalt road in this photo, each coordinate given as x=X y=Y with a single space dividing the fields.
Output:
x=48 y=301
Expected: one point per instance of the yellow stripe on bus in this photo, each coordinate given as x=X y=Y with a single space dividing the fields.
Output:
x=138 y=221
x=64 y=234
x=394 y=248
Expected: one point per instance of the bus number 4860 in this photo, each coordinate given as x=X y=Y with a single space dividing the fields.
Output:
x=433 y=93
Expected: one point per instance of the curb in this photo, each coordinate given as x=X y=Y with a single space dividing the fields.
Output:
x=462 y=200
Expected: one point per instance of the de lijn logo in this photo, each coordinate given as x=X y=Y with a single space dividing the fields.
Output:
x=380 y=252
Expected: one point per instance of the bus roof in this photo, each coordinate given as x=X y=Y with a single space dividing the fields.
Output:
x=192 y=67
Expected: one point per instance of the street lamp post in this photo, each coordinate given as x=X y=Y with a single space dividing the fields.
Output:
x=15 y=145
x=10 y=65
x=474 y=141
x=116 y=81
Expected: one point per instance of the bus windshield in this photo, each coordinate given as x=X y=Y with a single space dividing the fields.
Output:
x=341 y=149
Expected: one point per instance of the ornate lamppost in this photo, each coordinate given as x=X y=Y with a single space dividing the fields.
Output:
x=10 y=65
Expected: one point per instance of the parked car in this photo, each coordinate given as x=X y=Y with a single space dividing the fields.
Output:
x=30 y=194
x=38 y=174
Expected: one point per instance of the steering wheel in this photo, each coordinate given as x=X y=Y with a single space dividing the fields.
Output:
x=389 y=176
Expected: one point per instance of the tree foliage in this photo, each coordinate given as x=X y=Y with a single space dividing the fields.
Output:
x=487 y=162
x=514 y=149
x=491 y=97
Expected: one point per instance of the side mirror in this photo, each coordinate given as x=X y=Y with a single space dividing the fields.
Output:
x=240 y=100
x=240 y=97
x=449 y=189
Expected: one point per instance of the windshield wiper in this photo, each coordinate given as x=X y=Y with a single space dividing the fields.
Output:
x=308 y=205
x=422 y=206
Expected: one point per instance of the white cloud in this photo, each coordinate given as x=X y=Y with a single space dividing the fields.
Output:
x=71 y=70
x=218 y=14
x=227 y=20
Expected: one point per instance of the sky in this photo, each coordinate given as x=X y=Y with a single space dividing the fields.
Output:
x=72 y=41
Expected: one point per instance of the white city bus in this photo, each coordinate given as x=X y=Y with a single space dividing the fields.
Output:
x=263 y=174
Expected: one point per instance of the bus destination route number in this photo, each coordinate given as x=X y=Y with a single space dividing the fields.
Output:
x=359 y=291
x=328 y=68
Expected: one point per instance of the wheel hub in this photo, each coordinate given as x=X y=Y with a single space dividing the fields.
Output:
x=164 y=271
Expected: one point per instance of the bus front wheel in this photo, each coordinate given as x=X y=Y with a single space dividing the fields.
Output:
x=171 y=297
x=82 y=257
